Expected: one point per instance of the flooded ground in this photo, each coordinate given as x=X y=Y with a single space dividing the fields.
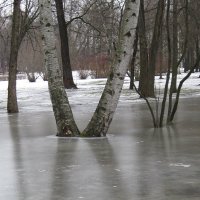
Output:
x=135 y=162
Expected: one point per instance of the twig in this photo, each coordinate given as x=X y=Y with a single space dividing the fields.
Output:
x=149 y=106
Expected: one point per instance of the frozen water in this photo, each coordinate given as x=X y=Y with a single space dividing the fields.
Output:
x=135 y=162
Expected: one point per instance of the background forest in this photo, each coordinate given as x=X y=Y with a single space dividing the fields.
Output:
x=93 y=28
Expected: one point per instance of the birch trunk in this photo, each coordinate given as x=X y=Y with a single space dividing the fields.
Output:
x=99 y=124
x=66 y=125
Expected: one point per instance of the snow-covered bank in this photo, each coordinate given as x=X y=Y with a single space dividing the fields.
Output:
x=35 y=97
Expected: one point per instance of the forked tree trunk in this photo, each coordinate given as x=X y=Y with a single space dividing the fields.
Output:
x=103 y=115
x=12 y=106
x=66 y=125
x=99 y=124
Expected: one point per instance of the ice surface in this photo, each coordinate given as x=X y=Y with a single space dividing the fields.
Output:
x=134 y=162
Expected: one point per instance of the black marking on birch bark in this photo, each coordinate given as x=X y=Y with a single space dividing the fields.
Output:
x=66 y=130
x=114 y=45
x=47 y=52
x=41 y=22
x=111 y=92
x=127 y=20
x=134 y=14
x=133 y=1
x=119 y=60
x=111 y=76
x=104 y=109
x=128 y=34
x=120 y=90
x=118 y=74
x=43 y=38
x=48 y=24
x=101 y=109
x=125 y=53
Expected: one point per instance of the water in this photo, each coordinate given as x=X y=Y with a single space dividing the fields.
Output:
x=135 y=162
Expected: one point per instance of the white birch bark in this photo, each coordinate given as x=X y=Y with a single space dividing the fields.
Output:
x=66 y=125
x=99 y=124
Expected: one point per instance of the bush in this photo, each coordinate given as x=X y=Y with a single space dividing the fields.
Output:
x=99 y=74
x=83 y=74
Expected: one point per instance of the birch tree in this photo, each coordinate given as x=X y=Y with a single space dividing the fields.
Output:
x=66 y=125
x=99 y=124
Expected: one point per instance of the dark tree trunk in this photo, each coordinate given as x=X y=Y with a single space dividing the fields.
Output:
x=154 y=46
x=186 y=61
x=175 y=106
x=175 y=48
x=12 y=106
x=66 y=64
x=174 y=68
x=197 y=53
x=162 y=112
x=161 y=57
x=143 y=82
x=135 y=48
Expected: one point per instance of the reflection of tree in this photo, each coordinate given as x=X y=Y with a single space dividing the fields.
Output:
x=153 y=164
x=82 y=169
x=63 y=167
x=111 y=181
x=18 y=157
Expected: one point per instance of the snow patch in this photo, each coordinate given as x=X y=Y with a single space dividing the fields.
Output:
x=34 y=97
x=179 y=165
